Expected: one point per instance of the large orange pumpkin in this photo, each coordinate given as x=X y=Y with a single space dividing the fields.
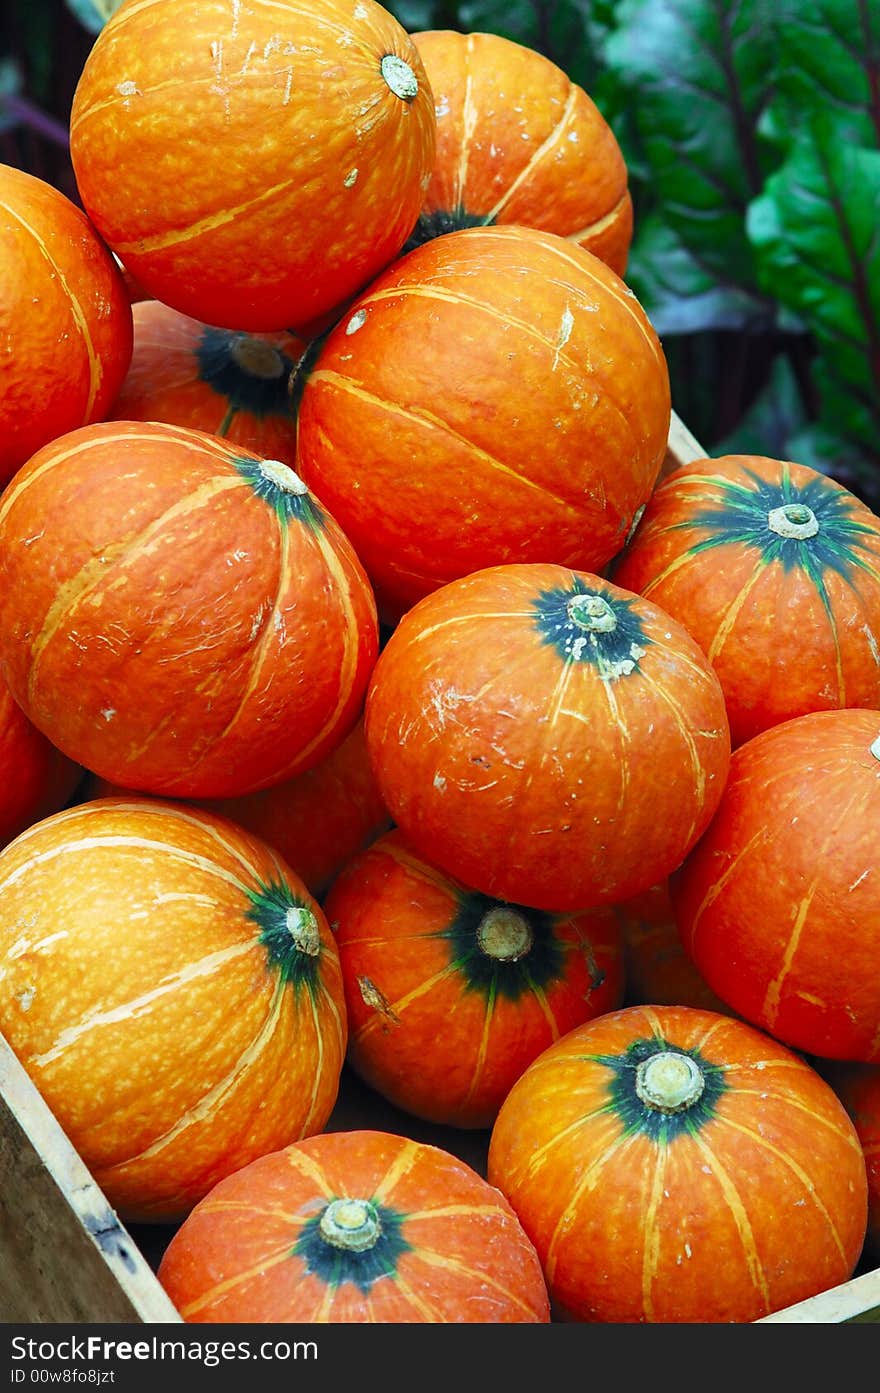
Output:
x=546 y=737
x=779 y=903
x=497 y=395
x=36 y=779
x=253 y=165
x=677 y=1165
x=230 y=384
x=449 y=993
x=519 y=142
x=317 y=821
x=65 y=319
x=361 y=1226
x=173 y=991
x=775 y=570
x=210 y=617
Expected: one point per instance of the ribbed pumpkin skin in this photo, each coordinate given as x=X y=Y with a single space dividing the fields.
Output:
x=450 y=1248
x=35 y=778
x=538 y=760
x=775 y=570
x=229 y=384
x=778 y=903
x=152 y=988
x=658 y=971
x=519 y=142
x=65 y=319
x=858 y=1088
x=751 y=1198
x=495 y=396
x=450 y=994
x=249 y=163
x=218 y=631
x=316 y=821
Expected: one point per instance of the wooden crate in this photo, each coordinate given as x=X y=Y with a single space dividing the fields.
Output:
x=66 y=1257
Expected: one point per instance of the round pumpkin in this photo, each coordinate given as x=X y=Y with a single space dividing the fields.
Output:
x=657 y=969
x=546 y=737
x=675 y=1165
x=449 y=993
x=858 y=1088
x=498 y=395
x=173 y=991
x=213 y=621
x=778 y=904
x=519 y=142
x=36 y=779
x=775 y=570
x=253 y=165
x=361 y=1226
x=317 y=821
x=230 y=384
x=65 y=319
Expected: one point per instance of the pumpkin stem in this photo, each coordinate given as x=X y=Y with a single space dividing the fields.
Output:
x=282 y=476
x=593 y=613
x=504 y=934
x=350 y=1224
x=303 y=929
x=793 y=520
x=400 y=77
x=256 y=357
x=669 y=1082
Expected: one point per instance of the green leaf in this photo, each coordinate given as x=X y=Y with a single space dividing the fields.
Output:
x=93 y=14
x=829 y=62
x=816 y=231
x=681 y=294
x=772 y=421
x=697 y=75
x=568 y=32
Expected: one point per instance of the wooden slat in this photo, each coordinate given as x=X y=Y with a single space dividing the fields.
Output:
x=682 y=447
x=64 y=1255
x=855 y=1301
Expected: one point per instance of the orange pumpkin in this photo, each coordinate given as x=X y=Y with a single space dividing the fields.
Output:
x=497 y=395
x=449 y=993
x=676 y=1165
x=230 y=384
x=213 y=621
x=778 y=904
x=658 y=970
x=173 y=991
x=316 y=821
x=65 y=319
x=773 y=567
x=546 y=737
x=253 y=165
x=858 y=1088
x=519 y=142
x=361 y=1226
x=35 y=778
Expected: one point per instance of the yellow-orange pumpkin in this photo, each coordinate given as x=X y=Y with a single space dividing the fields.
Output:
x=253 y=165
x=173 y=991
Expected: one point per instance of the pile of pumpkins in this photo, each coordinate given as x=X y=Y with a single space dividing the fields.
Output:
x=374 y=693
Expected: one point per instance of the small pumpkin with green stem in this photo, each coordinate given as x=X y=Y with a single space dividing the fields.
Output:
x=677 y=1165
x=360 y=1226
x=451 y=993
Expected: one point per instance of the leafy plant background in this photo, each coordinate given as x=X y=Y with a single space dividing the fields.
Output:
x=751 y=129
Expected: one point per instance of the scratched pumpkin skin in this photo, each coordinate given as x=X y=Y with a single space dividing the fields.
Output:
x=253 y=165
x=775 y=570
x=173 y=991
x=519 y=142
x=676 y=1165
x=545 y=736
x=778 y=904
x=497 y=395
x=65 y=319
